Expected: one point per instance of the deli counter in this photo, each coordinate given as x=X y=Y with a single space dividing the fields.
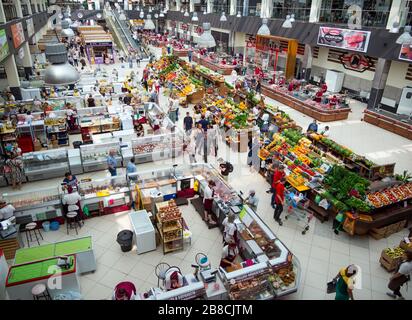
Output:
x=94 y=156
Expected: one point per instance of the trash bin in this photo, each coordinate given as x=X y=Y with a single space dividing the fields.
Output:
x=46 y=226
x=125 y=239
x=54 y=226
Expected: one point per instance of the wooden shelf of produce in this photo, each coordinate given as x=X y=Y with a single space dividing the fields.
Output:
x=163 y=227
x=323 y=115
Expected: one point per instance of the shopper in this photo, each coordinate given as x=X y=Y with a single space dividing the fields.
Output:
x=229 y=229
x=69 y=180
x=131 y=168
x=15 y=170
x=91 y=102
x=278 y=175
x=252 y=200
x=279 y=201
x=258 y=87
x=225 y=168
x=199 y=139
x=190 y=149
x=313 y=127
x=208 y=196
x=325 y=132
x=124 y=291
x=188 y=123
x=6 y=210
x=345 y=281
x=212 y=139
x=71 y=201
x=204 y=122
x=401 y=276
x=112 y=162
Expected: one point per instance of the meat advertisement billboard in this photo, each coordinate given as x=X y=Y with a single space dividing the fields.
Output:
x=346 y=39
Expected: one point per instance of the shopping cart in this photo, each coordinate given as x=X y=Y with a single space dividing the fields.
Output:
x=297 y=207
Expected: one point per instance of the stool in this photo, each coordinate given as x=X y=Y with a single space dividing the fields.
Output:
x=40 y=292
x=71 y=220
x=160 y=272
x=31 y=229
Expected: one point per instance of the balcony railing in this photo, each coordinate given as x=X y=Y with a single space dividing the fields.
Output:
x=370 y=18
x=301 y=14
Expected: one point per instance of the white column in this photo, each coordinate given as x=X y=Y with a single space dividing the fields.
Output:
x=97 y=4
x=36 y=6
x=233 y=7
x=245 y=8
x=19 y=12
x=27 y=61
x=397 y=13
x=315 y=10
x=2 y=14
x=29 y=10
x=11 y=71
x=209 y=6
x=178 y=5
x=192 y=6
x=266 y=9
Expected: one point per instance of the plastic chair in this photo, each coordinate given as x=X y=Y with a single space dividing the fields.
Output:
x=160 y=272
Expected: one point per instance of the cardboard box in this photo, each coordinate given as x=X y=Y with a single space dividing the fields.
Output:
x=376 y=236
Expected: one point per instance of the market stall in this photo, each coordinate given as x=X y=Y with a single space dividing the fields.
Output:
x=98 y=44
x=22 y=278
x=94 y=156
x=396 y=123
x=214 y=63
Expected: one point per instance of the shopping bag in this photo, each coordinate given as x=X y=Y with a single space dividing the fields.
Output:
x=331 y=286
x=349 y=226
x=86 y=210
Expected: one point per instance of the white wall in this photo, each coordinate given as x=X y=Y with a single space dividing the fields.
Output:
x=396 y=77
x=240 y=39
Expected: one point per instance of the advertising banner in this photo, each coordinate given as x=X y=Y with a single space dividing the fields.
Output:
x=17 y=34
x=4 y=46
x=346 y=39
x=30 y=27
x=406 y=52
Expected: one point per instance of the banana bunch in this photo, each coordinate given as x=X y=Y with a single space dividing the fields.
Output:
x=395 y=252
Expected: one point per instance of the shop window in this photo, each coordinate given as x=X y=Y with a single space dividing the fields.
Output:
x=221 y=6
x=375 y=13
x=300 y=8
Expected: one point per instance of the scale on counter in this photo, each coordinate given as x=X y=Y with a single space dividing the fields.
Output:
x=64 y=262
x=203 y=267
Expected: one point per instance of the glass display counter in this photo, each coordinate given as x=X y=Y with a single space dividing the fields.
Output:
x=105 y=196
x=40 y=204
x=94 y=156
x=47 y=164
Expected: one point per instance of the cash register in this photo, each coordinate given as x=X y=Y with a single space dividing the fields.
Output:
x=8 y=227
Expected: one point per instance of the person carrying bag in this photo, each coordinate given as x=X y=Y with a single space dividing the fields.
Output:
x=401 y=276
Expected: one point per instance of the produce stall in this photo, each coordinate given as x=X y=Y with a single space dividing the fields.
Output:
x=224 y=69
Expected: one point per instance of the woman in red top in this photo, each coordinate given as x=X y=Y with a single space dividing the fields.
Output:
x=124 y=291
x=279 y=200
x=278 y=175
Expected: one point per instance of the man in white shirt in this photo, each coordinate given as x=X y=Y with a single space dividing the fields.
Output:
x=72 y=199
x=6 y=210
x=252 y=200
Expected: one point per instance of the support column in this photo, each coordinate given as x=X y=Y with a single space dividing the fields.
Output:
x=178 y=5
x=315 y=11
x=2 y=14
x=19 y=11
x=245 y=8
x=27 y=60
x=397 y=13
x=266 y=9
x=209 y=6
x=29 y=10
x=36 y=7
x=13 y=76
x=307 y=63
x=379 y=82
x=192 y=6
x=233 y=7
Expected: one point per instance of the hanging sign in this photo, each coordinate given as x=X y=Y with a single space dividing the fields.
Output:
x=18 y=34
x=251 y=42
x=355 y=61
x=406 y=52
x=355 y=40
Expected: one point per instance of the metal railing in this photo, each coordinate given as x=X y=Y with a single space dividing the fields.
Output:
x=301 y=14
x=370 y=18
x=125 y=33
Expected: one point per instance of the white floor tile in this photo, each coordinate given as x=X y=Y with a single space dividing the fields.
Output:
x=112 y=278
x=98 y=292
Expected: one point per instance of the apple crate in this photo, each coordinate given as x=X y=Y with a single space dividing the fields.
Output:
x=405 y=245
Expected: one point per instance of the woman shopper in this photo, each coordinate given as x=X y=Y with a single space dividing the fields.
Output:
x=402 y=276
x=16 y=171
x=345 y=281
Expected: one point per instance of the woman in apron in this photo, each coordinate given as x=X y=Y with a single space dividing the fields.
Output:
x=229 y=254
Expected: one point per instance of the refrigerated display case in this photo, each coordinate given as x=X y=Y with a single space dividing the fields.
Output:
x=94 y=156
x=47 y=164
x=105 y=196
x=39 y=205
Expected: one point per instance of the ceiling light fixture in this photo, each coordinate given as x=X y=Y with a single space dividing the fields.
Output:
x=264 y=29
x=195 y=17
x=405 y=37
x=206 y=40
x=223 y=17
x=287 y=23
x=59 y=72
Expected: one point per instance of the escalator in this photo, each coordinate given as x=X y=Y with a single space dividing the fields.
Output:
x=122 y=34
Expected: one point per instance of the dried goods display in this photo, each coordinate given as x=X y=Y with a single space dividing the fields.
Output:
x=34 y=201
x=149 y=147
x=283 y=278
x=170 y=225
x=169 y=212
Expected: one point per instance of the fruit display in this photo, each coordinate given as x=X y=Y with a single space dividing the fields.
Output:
x=390 y=195
x=394 y=253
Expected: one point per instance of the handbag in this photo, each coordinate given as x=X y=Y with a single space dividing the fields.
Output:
x=331 y=286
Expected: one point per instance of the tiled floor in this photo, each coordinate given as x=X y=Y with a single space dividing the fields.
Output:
x=321 y=253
